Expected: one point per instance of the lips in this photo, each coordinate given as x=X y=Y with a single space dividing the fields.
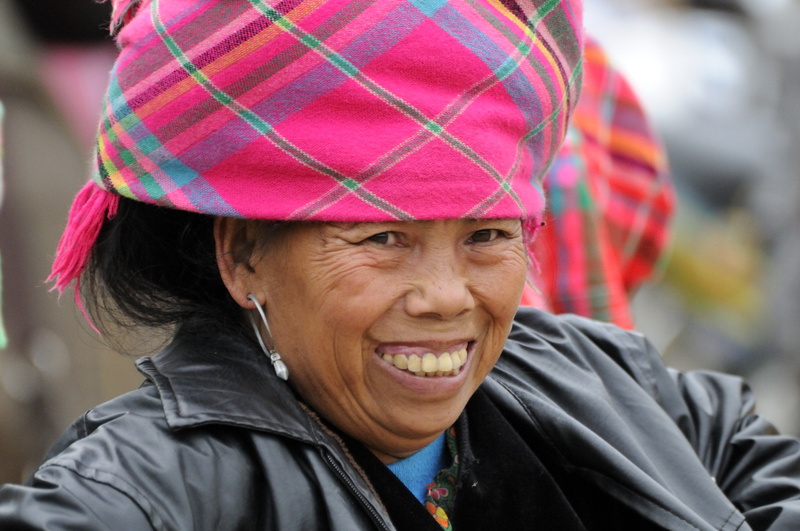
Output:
x=429 y=364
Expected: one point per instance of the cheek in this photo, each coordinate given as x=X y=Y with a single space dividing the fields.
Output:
x=499 y=291
x=502 y=283
x=352 y=292
x=331 y=319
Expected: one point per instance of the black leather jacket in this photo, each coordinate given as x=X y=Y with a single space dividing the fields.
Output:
x=213 y=440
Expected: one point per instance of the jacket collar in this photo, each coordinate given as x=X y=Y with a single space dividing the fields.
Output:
x=223 y=379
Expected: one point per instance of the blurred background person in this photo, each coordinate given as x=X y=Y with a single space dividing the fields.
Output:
x=3 y=338
x=611 y=202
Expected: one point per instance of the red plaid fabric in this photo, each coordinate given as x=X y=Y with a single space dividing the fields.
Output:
x=334 y=110
x=610 y=200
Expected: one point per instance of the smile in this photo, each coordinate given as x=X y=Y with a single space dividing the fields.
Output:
x=429 y=364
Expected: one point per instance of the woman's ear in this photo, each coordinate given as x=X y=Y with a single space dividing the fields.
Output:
x=234 y=248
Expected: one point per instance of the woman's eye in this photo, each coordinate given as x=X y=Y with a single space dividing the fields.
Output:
x=485 y=235
x=383 y=238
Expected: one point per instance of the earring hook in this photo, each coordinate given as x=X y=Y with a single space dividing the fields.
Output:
x=277 y=363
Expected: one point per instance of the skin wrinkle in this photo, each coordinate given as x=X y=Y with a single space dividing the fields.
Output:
x=335 y=292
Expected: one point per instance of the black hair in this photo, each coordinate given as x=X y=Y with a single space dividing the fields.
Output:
x=156 y=267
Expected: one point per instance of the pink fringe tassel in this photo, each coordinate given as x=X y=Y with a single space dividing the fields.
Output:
x=91 y=208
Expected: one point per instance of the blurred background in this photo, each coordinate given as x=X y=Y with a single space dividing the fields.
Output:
x=719 y=78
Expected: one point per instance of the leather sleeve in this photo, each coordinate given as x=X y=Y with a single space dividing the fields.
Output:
x=757 y=468
x=58 y=498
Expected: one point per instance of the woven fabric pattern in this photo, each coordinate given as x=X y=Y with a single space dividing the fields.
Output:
x=611 y=199
x=340 y=110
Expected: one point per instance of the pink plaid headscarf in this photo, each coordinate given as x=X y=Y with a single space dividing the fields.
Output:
x=331 y=110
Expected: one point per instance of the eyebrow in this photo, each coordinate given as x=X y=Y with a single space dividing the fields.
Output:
x=347 y=225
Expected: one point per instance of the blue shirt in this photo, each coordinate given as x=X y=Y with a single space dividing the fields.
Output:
x=420 y=469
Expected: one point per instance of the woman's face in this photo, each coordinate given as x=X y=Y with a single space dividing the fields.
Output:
x=388 y=328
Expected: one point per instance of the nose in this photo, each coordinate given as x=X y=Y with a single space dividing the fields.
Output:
x=440 y=289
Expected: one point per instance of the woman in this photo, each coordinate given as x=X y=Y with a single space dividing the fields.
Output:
x=351 y=189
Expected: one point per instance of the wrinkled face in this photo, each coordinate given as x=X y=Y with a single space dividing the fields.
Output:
x=388 y=328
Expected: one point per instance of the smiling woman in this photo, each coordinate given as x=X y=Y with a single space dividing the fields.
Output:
x=393 y=305
x=330 y=205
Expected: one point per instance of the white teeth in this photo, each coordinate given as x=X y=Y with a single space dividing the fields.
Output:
x=448 y=363
x=429 y=363
x=458 y=358
x=401 y=362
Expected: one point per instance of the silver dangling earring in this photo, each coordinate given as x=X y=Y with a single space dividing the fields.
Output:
x=274 y=357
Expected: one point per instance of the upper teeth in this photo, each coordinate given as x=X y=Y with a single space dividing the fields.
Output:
x=429 y=364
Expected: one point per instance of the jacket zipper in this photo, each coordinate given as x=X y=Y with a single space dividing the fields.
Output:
x=354 y=489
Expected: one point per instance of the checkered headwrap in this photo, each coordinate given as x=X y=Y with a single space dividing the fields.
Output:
x=332 y=110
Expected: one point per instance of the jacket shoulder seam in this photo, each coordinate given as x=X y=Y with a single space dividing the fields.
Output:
x=111 y=480
x=87 y=506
